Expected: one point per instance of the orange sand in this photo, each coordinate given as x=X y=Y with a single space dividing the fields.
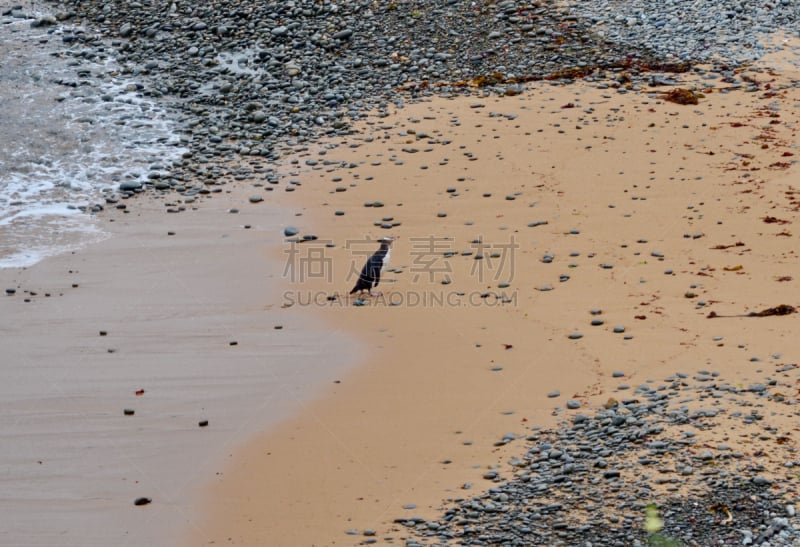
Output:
x=626 y=180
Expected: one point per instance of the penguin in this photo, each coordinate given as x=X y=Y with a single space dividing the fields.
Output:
x=371 y=272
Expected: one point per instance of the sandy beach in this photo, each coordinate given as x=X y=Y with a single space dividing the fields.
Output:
x=168 y=319
x=655 y=214
x=203 y=378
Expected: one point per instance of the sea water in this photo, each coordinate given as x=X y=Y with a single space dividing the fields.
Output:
x=73 y=125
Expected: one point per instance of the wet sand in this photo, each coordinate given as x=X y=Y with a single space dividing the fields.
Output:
x=171 y=308
x=654 y=213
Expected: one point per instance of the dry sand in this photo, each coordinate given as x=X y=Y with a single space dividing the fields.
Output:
x=664 y=206
x=618 y=178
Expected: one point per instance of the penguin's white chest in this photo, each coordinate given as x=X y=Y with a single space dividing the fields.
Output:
x=386 y=259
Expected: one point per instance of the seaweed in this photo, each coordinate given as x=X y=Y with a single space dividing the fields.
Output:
x=682 y=96
x=783 y=309
x=780 y=310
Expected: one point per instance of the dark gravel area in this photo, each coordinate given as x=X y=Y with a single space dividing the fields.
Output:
x=703 y=451
x=254 y=80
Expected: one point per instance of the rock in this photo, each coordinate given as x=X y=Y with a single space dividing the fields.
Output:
x=130 y=186
x=343 y=34
x=290 y=231
x=256 y=199
x=142 y=501
x=126 y=30
x=44 y=21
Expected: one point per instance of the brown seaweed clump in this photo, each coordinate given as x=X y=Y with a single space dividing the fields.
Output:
x=682 y=96
x=783 y=309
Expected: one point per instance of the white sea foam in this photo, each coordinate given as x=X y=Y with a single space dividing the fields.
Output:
x=73 y=127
